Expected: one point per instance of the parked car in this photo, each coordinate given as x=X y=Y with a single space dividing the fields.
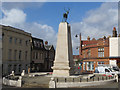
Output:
x=107 y=69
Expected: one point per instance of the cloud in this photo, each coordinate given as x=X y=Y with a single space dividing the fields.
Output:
x=97 y=23
x=13 y=17
x=17 y=18
x=21 y=5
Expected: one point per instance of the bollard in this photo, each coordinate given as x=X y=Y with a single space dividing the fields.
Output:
x=102 y=78
x=52 y=83
x=65 y=80
x=98 y=78
x=80 y=79
x=73 y=79
x=87 y=79
x=57 y=79
x=116 y=77
x=106 y=77
x=93 y=78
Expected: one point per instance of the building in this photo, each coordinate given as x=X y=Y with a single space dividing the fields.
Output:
x=76 y=59
x=114 y=48
x=95 y=52
x=42 y=56
x=16 y=50
x=49 y=56
x=38 y=55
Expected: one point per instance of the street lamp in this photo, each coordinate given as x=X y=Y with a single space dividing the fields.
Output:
x=78 y=35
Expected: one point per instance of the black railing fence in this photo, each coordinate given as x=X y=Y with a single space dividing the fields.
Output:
x=81 y=79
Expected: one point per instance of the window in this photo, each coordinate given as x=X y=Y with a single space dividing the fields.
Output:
x=41 y=45
x=20 y=41
x=26 y=55
x=9 y=54
x=20 y=54
x=46 y=55
x=38 y=44
x=10 y=40
x=100 y=52
x=84 y=66
x=15 y=54
x=89 y=53
x=35 y=43
x=36 y=55
x=26 y=42
x=41 y=55
x=14 y=68
x=15 y=40
x=90 y=66
x=19 y=69
x=9 y=68
x=26 y=67
x=33 y=55
x=106 y=70
x=84 y=55
x=100 y=63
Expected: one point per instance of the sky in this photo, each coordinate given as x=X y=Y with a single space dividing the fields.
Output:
x=42 y=19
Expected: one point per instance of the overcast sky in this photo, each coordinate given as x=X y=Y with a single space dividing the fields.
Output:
x=41 y=19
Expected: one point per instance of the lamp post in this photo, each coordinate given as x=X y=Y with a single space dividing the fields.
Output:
x=79 y=47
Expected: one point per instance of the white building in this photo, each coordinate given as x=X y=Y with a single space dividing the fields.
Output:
x=114 y=47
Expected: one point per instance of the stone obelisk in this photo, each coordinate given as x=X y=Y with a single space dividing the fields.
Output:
x=63 y=64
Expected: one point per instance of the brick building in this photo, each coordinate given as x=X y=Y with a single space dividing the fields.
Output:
x=95 y=52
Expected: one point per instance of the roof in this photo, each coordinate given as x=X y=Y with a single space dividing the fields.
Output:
x=13 y=29
x=48 y=47
x=89 y=42
x=76 y=56
x=94 y=43
x=34 y=38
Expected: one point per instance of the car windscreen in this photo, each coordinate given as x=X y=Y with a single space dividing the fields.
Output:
x=115 y=68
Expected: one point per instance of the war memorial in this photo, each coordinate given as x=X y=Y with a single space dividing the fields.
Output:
x=63 y=75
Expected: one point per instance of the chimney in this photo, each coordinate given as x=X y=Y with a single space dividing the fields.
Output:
x=46 y=42
x=114 y=32
x=104 y=37
x=88 y=38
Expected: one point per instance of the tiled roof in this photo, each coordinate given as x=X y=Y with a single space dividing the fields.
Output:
x=76 y=56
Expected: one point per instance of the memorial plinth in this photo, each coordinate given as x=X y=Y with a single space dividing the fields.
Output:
x=63 y=64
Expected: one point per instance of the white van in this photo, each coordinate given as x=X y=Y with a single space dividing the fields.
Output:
x=107 y=69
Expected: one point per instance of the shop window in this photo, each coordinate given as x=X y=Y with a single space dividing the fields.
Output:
x=84 y=66
x=90 y=66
